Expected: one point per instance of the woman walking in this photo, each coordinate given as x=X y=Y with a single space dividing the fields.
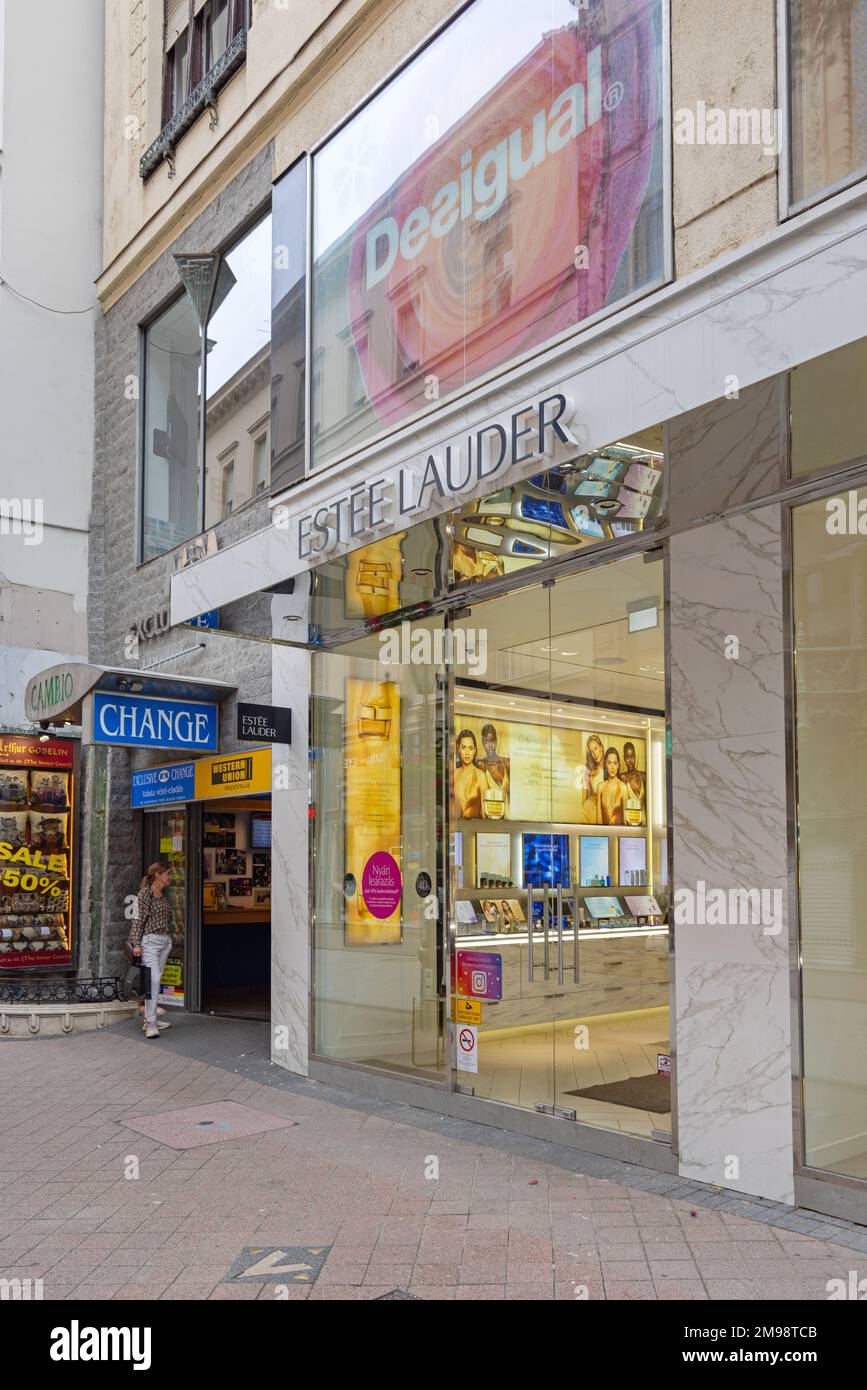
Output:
x=151 y=936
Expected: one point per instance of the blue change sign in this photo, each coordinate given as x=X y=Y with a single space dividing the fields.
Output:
x=137 y=721
x=158 y=786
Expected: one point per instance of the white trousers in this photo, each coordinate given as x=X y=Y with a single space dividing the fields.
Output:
x=155 y=948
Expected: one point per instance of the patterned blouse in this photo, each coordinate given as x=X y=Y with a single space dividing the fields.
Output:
x=153 y=916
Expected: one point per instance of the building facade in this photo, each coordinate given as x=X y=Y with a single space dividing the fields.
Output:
x=493 y=388
x=49 y=261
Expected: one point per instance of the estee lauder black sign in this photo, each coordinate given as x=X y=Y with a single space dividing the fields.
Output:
x=264 y=724
x=482 y=454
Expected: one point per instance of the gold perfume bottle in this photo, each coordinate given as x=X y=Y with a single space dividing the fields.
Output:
x=373 y=577
x=494 y=805
x=374 y=721
x=632 y=810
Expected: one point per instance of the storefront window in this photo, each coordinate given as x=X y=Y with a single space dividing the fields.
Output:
x=504 y=187
x=612 y=493
x=828 y=410
x=830 y=618
x=523 y=737
x=171 y=410
x=238 y=375
x=378 y=734
x=37 y=829
x=828 y=95
x=289 y=320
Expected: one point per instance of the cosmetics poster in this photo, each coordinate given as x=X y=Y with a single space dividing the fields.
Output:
x=511 y=770
x=371 y=743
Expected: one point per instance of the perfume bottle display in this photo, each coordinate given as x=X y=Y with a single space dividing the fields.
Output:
x=494 y=804
x=374 y=721
x=632 y=810
x=373 y=577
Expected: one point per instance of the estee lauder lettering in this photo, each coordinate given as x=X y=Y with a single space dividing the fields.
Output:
x=486 y=452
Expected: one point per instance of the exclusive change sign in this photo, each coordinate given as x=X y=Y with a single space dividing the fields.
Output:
x=505 y=186
x=135 y=721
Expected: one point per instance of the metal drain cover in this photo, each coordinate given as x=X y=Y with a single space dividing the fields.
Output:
x=395 y=1295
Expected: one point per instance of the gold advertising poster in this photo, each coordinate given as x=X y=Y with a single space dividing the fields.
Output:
x=510 y=770
x=371 y=740
x=373 y=578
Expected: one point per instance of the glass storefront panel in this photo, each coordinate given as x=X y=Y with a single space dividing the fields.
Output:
x=560 y=845
x=377 y=728
x=828 y=410
x=525 y=733
x=288 y=325
x=612 y=493
x=37 y=854
x=166 y=839
x=522 y=196
x=828 y=94
x=829 y=562
x=238 y=379
x=171 y=429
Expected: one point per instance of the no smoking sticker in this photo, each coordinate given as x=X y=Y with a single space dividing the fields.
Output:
x=467 y=1047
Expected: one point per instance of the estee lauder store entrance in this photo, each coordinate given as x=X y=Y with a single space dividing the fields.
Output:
x=491 y=849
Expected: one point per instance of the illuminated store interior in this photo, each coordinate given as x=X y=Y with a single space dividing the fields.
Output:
x=507 y=754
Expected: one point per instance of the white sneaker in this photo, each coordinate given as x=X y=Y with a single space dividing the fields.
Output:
x=151 y=1030
x=162 y=1026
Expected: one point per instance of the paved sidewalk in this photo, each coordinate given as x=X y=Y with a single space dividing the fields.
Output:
x=346 y=1178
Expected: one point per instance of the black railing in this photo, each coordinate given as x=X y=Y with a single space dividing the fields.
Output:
x=103 y=990
x=201 y=98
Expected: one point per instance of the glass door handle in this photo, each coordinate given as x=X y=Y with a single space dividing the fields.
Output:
x=545 y=906
x=560 y=962
x=530 y=962
x=575 y=921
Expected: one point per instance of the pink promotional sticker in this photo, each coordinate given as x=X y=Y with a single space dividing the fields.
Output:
x=381 y=884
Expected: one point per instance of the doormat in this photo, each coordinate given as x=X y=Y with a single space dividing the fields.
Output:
x=650 y=1092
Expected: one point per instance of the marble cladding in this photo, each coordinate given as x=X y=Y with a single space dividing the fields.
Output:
x=290 y=914
x=733 y=1040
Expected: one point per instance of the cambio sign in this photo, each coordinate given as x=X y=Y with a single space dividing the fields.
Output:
x=515 y=222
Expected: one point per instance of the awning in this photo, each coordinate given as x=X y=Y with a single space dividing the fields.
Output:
x=56 y=694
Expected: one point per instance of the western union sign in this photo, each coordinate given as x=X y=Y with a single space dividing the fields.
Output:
x=232 y=774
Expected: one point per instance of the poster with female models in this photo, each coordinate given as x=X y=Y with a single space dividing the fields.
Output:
x=612 y=781
x=511 y=770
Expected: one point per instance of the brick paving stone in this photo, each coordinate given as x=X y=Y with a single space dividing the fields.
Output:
x=509 y=1218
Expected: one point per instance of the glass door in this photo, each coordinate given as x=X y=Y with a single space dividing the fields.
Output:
x=559 y=847
x=502 y=947
x=377 y=870
x=612 y=1045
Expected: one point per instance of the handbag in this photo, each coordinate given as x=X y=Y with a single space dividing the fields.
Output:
x=128 y=948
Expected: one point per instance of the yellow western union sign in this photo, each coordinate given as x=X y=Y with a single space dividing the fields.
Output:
x=233 y=774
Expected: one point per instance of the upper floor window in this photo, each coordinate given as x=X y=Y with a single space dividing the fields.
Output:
x=504 y=187
x=197 y=34
x=203 y=459
x=828 y=96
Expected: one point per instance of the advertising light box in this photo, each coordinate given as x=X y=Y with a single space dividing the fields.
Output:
x=505 y=186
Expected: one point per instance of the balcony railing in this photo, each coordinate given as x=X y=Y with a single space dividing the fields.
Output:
x=203 y=97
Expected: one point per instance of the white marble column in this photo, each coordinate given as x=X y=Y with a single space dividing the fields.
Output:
x=732 y=1009
x=290 y=940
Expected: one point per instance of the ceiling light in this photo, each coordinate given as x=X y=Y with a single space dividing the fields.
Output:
x=642 y=614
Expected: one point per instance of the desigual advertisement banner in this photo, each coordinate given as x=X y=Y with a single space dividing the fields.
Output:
x=36 y=842
x=504 y=187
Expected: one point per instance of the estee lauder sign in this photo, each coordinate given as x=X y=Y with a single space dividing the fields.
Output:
x=522 y=437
